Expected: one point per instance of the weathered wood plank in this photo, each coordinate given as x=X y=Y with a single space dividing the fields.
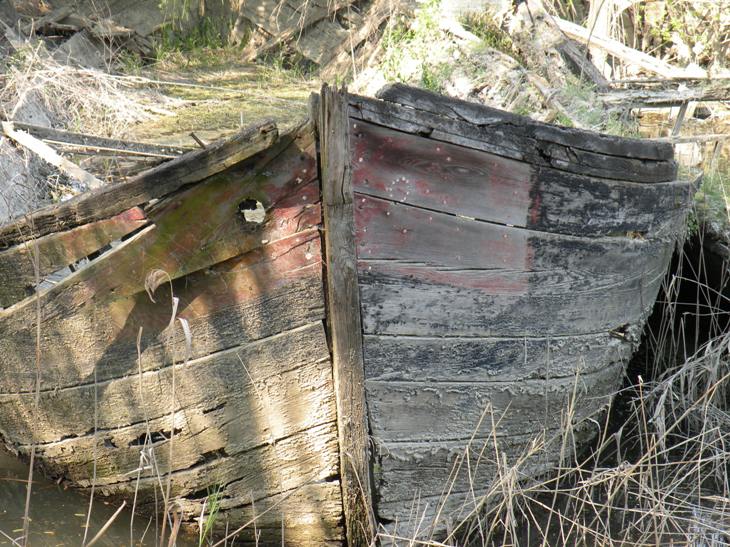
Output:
x=264 y=471
x=311 y=514
x=397 y=231
x=50 y=156
x=238 y=376
x=93 y=142
x=624 y=53
x=412 y=169
x=481 y=115
x=432 y=412
x=343 y=316
x=520 y=417
x=286 y=20
x=155 y=183
x=249 y=416
x=402 y=358
x=482 y=303
x=267 y=291
x=183 y=239
x=320 y=43
x=517 y=139
x=56 y=251
x=340 y=64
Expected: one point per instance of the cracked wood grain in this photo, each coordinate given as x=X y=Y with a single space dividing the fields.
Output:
x=343 y=305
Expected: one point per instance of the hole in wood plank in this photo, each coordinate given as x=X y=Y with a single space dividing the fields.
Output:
x=252 y=210
x=154 y=437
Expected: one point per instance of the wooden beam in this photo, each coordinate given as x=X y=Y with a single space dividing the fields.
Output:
x=102 y=144
x=634 y=98
x=49 y=155
x=343 y=304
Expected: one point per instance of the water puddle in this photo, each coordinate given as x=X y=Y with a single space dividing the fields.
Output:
x=58 y=515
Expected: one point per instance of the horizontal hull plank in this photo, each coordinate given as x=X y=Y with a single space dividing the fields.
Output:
x=431 y=412
x=58 y=250
x=413 y=358
x=449 y=474
x=274 y=370
x=311 y=515
x=265 y=471
x=273 y=289
x=408 y=168
x=236 y=424
x=502 y=140
x=395 y=231
x=523 y=126
x=409 y=306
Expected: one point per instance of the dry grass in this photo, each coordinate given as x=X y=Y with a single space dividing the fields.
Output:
x=82 y=99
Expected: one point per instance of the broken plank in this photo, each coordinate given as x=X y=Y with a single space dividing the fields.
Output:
x=640 y=98
x=340 y=63
x=501 y=139
x=276 y=288
x=50 y=156
x=93 y=142
x=56 y=251
x=321 y=41
x=266 y=470
x=408 y=168
x=50 y=18
x=343 y=316
x=484 y=116
x=286 y=20
x=195 y=229
x=155 y=183
x=577 y=60
x=624 y=53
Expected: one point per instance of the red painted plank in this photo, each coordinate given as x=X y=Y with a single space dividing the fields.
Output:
x=386 y=230
x=440 y=176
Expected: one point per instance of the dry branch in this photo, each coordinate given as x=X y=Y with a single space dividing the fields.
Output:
x=620 y=51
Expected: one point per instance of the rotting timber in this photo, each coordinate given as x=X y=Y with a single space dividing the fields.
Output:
x=421 y=260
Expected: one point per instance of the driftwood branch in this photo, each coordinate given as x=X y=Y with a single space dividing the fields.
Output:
x=620 y=51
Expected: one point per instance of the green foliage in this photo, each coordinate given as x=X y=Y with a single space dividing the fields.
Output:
x=410 y=53
x=213 y=506
x=204 y=35
x=433 y=77
x=712 y=201
x=483 y=26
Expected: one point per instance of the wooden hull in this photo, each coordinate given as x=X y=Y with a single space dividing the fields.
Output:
x=478 y=285
x=503 y=286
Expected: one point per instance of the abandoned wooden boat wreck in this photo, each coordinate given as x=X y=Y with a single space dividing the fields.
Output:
x=461 y=275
